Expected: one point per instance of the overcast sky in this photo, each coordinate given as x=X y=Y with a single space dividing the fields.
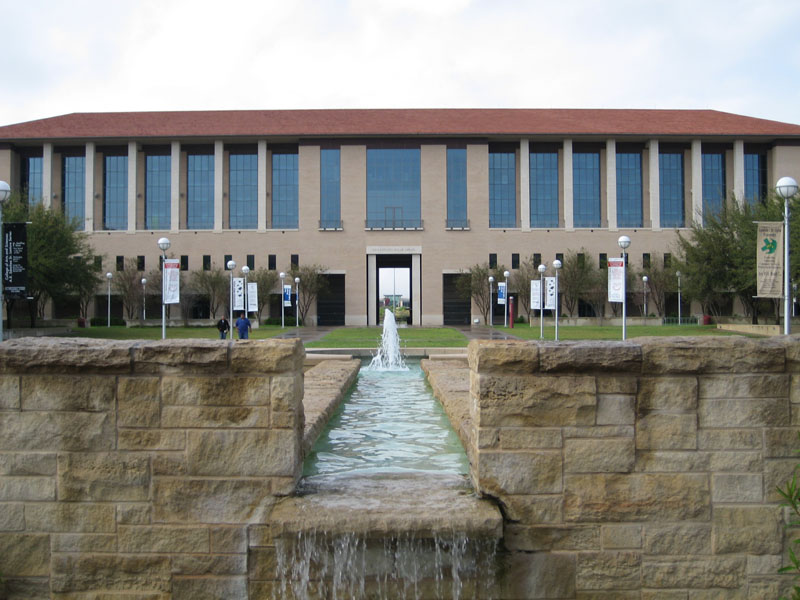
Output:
x=107 y=55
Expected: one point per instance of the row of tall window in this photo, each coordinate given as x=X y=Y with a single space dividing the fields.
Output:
x=250 y=261
x=393 y=188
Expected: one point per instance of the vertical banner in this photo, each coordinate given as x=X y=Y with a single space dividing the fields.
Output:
x=616 y=279
x=501 y=292
x=549 y=293
x=769 y=260
x=15 y=260
x=252 y=296
x=287 y=294
x=172 y=281
x=536 y=294
x=238 y=293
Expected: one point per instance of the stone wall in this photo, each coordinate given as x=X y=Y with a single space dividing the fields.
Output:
x=132 y=469
x=643 y=469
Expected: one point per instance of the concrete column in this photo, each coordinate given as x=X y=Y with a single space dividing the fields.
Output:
x=263 y=188
x=738 y=171
x=372 y=289
x=416 y=289
x=175 y=187
x=47 y=175
x=132 y=172
x=88 y=173
x=525 y=185
x=655 y=189
x=611 y=184
x=697 y=182
x=566 y=185
x=218 y=181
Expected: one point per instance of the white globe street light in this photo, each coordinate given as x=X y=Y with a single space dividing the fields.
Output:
x=144 y=299
x=491 y=301
x=644 y=290
x=678 y=274
x=542 y=268
x=297 y=302
x=786 y=188
x=557 y=267
x=109 y=276
x=283 y=306
x=5 y=192
x=624 y=242
x=164 y=244
x=245 y=272
x=231 y=264
x=505 y=297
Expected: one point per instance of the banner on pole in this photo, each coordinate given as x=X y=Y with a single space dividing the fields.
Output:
x=238 y=293
x=536 y=294
x=616 y=280
x=172 y=281
x=15 y=260
x=287 y=294
x=769 y=260
x=501 y=292
x=252 y=296
x=549 y=293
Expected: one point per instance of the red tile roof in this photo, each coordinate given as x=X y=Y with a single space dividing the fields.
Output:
x=396 y=122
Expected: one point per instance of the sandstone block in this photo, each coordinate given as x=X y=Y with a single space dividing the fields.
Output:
x=532 y=510
x=636 y=497
x=667 y=393
x=669 y=461
x=737 y=487
x=747 y=529
x=729 y=439
x=33 y=464
x=25 y=554
x=620 y=537
x=216 y=391
x=743 y=412
x=9 y=392
x=587 y=356
x=487 y=437
x=243 y=453
x=65 y=355
x=525 y=538
x=214 y=416
x=12 y=517
x=598 y=432
x=169 y=464
x=665 y=595
x=286 y=391
x=154 y=539
x=27 y=489
x=65 y=517
x=781 y=443
x=667 y=431
x=615 y=409
x=109 y=572
x=764 y=564
x=744 y=462
x=608 y=570
x=56 y=431
x=744 y=386
x=536 y=575
x=776 y=473
x=599 y=455
x=698 y=572
x=84 y=542
x=209 y=564
x=151 y=439
x=526 y=438
x=230 y=588
x=263 y=562
x=228 y=540
x=617 y=384
x=67 y=392
x=505 y=357
x=267 y=356
x=501 y=473
x=211 y=500
x=710 y=355
x=138 y=402
x=103 y=477
x=134 y=514
x=794 y=389
x=27 y=588
x=678 y=539
x=185 y=355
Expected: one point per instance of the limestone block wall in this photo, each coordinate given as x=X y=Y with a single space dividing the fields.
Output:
x=643 y=469
x=132 y=469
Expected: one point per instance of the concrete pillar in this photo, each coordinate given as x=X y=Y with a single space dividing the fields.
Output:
x=697 y=182
x=738 y=171
x=611 y=183
x=416 y=289
x=566 y=185
x=655 y=189
x=88 y=173
x=263 y=188
x=218 y=181
x=132 y=172
x=525 y=185
x=175 y=187
x=47 y=175
x=372 y=289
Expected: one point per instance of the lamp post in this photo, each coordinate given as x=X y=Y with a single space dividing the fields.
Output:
x=164 y=244
x=542 y=268
x=231 y=266
x=283 y=308
x=144 y=299
x=109 y=276
x=297 y=302
x=678 y=273
x=5 y=192
x=786 y=188
x=644 y=291
x=624 y=242
x=491 y=303
x=557 y=267
x=245 y=272
x=505 y=306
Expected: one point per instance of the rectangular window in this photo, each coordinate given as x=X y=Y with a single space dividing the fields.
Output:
x=667 y=260
x=755 y=178
x=98 y=263
x=184 y=262
x=646 y=260
x=226 y=260
x=492 y=260
x=330 y=189
x=713 y=183
x=120 y=263
x=502 y=189
x=206 y=262
x=284 y=191
x=295 y=261
x=457 y=188
x=586 y=189
x=560 y=256
x=115 y=193
x=243 y=191
x=603 y=260
x=74 y=189
x=537 y=259
x=32 y=179
x=158 y=191
x=515 y=261
x=393 y=188
x=140 y=263
x=251 y=261
x=272 y=262
x=200 y=191
x=544 y=189
x=670 y=169
x=629 y=189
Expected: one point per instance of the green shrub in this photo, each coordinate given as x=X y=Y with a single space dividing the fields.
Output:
x=791 y=494
x=103 y=321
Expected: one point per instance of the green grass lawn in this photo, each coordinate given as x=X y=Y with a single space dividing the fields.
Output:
x=411 y=337
x=597 y=332
x=154 y=333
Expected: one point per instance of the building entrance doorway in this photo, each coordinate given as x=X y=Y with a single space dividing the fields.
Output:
x=394 y=286
x=394 y=273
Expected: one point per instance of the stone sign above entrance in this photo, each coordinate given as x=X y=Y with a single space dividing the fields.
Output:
x=394 y=249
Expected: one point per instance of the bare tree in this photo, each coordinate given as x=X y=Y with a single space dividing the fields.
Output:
x=520 y=282
x=266 y=280
x=476 y=286
x=312 y=283
x=213 y=285
x=574 y=280
x=128 y=285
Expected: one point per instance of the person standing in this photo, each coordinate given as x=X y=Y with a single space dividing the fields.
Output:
x=243 y=325
x=224 y=327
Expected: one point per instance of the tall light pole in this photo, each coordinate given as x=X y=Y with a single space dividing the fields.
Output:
x=109 y=276
x=491 y=303
x=283 y=308
x=557 y=267
x=786 y=188
x=624 y=242
x=245 y=272
x=164 y=244
x=542 y=268
x=505 y=294
x=644 y=291
x=5 y=192
x=678 y=273
x=297 y=302
x=231 y=266
x=144 y=299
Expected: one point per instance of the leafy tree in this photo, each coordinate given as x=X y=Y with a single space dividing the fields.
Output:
x=266 y=280
x=312 y=283
x=188 y=297
x=214 y=285
x=660 y=280
x=476 y=286
x=574 y=279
